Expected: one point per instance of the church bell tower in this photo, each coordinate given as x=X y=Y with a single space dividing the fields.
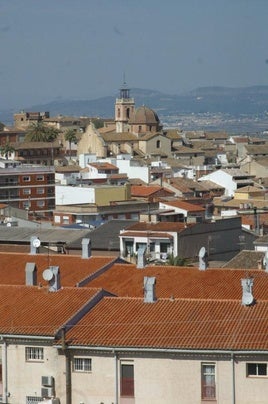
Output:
x=124 y=109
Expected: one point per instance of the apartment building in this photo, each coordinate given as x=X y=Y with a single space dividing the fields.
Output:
x=26 y=186
x=128 y=335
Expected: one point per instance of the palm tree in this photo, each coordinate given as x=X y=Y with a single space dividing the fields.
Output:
x=70 y=136
x=6 y=150
x=176 y=261
x=39 y=132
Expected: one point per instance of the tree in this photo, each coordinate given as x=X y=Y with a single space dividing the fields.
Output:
x=176 y=261
x=52 y=134
x=39 y=132
x=70 y=136
x=98 y=123
x=6 y=150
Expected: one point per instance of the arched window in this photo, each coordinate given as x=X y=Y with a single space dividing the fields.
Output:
x=118 y=112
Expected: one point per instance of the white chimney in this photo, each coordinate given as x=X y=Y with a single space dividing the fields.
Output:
x=35 y=244
x=149 y=283
x=86 y=248
x=30 y=274
x=52 y=275
x=141 y=258
x=247 y=296
x=203 y=259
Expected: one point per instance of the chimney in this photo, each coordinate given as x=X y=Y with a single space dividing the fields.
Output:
x=265 y=261
x=86 y=248
x=141 y=258
x=203 y=259
x=30 y=274
x=149 y=289
x=52 y=275
x=35 y=244
x=247 y=295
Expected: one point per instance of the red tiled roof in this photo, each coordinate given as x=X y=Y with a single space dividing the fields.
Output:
x=179 y=323
x=190 y=207
x=144 y=191
x=36 y=311
x=73 y=268
x=160 y=226
x=146 y=234
x=104 y=166
x=182 y=282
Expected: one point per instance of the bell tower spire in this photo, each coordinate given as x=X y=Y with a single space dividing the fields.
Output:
x=124 y=109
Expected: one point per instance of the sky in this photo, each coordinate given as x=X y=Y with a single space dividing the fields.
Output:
x=84 y=49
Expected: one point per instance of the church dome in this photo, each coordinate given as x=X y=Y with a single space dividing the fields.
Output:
x=145 y=115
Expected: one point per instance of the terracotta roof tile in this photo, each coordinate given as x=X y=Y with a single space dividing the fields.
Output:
x=36 y=311
x=181 y=324
x=140 y=190
x=73 y=269
x=104 y=166
x=182 y=282
x=190 y=207
x=159 y=226
x=146 y=234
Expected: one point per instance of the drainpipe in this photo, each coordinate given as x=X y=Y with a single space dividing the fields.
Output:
x=116 y=377
x=4 y=356
x=68 y=381
x=233 y=377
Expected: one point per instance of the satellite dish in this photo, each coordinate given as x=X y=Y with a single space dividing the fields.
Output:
x=36 y=242
x=247 y=298
x=265 y=259
x=47 y=274
x=202 y=252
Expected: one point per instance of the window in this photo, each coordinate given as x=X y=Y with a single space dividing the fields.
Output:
x=158 y=144
x=33 y=399
x=127 y=379
x=34 y=354
x=27 y=191
x=164 y=247
x=256 y=369
x=26 y=178
x=40 y=191
x=208 y=382
x=39 y=178
x=82 y=365
x=40 y=204
x=26 y=204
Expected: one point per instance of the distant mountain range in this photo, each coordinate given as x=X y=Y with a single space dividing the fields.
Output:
x=232 y=101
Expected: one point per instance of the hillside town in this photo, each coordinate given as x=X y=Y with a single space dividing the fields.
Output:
x=133 y=261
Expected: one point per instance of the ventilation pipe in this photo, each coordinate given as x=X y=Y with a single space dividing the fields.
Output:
x=86 y=248
x=149 y=283
x=30 y=274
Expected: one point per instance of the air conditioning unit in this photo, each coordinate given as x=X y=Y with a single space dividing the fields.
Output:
x=47 y=392
x=47 y=381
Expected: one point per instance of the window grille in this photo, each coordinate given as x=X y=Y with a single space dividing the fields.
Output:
x=34 y=354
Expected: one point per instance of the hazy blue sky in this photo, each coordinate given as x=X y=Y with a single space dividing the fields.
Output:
x=80 y=49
